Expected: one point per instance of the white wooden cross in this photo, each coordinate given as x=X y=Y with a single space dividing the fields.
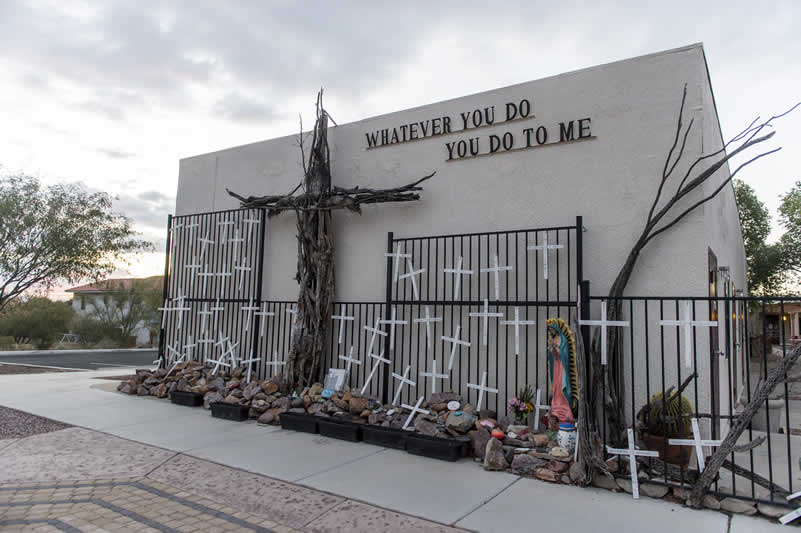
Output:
x=204 y=314
x=545 y=247
x=158 y=362
x=455 y=340
x=249 y=308
x=236 y=239
x=225 y=224
x=250 y=223
x=458 y=272
x=412 y=274
x=192 y=267
x=225 y=276
x=350 y=360
x=204 y=241
x=428 y=320
x=264 y=314
x=633 y=452
x=216 y=309
x=604 y=323
x=189 y=346
x=250 y=363
x=242 y=269
x=232 y=353
x=404 y=380
x=496 y=270
x=434 y=376
x=222 y=341
x=164 y=310
x=175 y=363
x=191 y=227
x=395 y=257
x=206 y=341
x=698 y=442
x=537 y=407
x=342 y=319
x=482 y=388
x=172 y=354
x=687 y=324
x=291 y=311
x=375 y=331
x=415 y=409
x=181 y=309
x=220 y=361
x=378 y=360
x=792 y=515
x=392 y=323
x=485 y=316
x=517 y=323
x=275 y=363
x=205 y=274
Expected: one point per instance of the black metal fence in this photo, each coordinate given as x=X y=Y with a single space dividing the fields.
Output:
x=727 y=344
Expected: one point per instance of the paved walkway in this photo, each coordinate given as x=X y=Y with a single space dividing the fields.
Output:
x=292 y=480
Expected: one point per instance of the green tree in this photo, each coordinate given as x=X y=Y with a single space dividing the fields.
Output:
x=766 y=265
x=790 y=241
x=123 y=305
x=57 y=233
x=37 y=320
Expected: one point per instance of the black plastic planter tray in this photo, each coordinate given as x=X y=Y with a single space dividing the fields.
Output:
x=189 y=399
x=340 y=429
x=436 y=448
x=387 y=437
x=298 y=422
x=230 y=411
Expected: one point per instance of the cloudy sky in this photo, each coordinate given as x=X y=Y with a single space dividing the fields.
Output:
x=113 y=94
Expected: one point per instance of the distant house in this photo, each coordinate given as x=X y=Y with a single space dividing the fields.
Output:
x=87 y=298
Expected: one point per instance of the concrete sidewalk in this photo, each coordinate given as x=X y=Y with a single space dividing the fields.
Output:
x=460 y=494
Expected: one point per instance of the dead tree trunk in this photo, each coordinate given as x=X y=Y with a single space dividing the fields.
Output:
x=729 y=444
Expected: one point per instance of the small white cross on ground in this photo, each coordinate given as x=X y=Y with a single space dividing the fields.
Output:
x=428 y=320
x=250 y=223
x=792 y=515
x=485 y=316
x=434 y=376
x=632 y=452
x=232 y=353
x=604 y=323
x=342 y=319
x=517 y=323
x=175 y=363
x=458 y=272
x=378 y=360
x=350 y=360
x=404 y=380
x=264 y=314
x=455 y=340
x=222 y=341
x=482 y=388
x=392 y=323
x=395 y=257
x=496 y=270
x=698 y=442
x=537 y=408
x=249 y=308
x=250 y=363
x=415 y=409
x=412 y=274
x=242 y=269
x=687 y=324
x=172 y=354
x=545 y=247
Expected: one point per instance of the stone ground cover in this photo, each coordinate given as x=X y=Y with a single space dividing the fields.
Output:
x=22 y=369
x=16 y=424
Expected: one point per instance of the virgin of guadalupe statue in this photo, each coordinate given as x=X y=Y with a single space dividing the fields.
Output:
x=562 y=370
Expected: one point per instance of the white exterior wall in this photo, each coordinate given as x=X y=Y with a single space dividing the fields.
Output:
x=609 y=180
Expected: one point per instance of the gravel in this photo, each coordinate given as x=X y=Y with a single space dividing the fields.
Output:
x=20 y=369
x=18 y=424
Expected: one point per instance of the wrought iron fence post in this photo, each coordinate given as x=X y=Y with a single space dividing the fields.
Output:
x=259 y=280
x=387 y=305
x=165 y=286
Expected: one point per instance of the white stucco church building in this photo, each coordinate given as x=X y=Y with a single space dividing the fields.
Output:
x=589 y=143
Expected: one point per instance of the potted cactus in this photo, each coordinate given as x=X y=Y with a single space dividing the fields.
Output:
x=667 y=416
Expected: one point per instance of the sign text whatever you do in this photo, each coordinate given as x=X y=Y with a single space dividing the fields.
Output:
x=508 y=141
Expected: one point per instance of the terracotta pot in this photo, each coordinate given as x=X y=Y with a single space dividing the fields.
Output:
x=670 y=453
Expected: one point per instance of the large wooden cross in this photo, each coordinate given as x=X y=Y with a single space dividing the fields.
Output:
x=315 y=267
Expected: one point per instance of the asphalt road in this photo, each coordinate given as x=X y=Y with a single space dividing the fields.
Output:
x=89 y=359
